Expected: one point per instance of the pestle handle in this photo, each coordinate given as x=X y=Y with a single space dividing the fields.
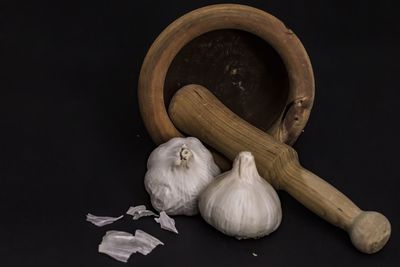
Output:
x=197 y=112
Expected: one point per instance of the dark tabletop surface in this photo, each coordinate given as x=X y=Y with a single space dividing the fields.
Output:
x=72 y=140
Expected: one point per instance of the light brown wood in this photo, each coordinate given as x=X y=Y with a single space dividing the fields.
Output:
x=227 y=16
x=195 y=111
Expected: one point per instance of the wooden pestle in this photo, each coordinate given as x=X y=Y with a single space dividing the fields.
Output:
x=197 y=112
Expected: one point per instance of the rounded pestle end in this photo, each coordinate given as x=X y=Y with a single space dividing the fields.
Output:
x=370 y=231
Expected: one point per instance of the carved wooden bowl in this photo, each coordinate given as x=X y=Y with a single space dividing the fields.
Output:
x=248 y=58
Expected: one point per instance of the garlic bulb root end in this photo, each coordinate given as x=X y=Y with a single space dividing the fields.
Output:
x=177 y=171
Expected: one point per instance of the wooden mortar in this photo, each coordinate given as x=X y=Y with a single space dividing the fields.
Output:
x=228 y=48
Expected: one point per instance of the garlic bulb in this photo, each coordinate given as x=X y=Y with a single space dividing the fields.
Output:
x=177 y=172
x=240 y=203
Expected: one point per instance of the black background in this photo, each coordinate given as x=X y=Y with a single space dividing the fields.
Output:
x=72 y=140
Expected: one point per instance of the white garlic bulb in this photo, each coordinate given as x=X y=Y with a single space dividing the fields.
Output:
x=240 y=203
x=178 y=171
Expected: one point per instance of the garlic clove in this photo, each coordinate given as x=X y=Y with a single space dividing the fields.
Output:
x=177 y=171
x=240 y=203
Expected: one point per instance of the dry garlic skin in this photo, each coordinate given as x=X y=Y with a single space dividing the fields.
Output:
x=240 y=203
x=178 y=171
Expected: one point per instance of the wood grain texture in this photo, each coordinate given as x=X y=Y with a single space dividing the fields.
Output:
x=195 y=111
